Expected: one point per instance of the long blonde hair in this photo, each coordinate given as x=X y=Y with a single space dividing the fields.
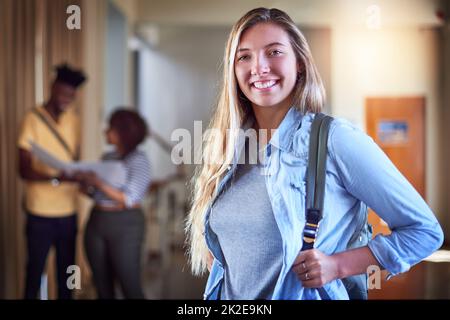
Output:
x=232 y=110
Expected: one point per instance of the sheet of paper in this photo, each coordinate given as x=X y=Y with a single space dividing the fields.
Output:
x=47 y=158
x=111 y=171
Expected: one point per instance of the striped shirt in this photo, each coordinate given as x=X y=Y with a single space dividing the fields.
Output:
x=137 y=180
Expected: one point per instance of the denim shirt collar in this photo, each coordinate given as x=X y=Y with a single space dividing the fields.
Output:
x=284 y=134
x=282 y=137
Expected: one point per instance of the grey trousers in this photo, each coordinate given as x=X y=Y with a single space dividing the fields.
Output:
x=113 y=243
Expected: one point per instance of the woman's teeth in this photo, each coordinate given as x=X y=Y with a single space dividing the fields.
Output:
x=264 y=84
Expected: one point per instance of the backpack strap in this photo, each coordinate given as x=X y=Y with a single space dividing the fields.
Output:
x=55 y=132
x=315 y=183
x=315 y=179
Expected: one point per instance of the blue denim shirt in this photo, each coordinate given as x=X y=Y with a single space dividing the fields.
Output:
x=357 y=171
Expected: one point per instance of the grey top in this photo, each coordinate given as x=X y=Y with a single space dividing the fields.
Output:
x=249 y=237
x=135 y=188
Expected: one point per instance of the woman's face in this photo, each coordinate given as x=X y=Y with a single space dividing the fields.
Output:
x=265 y=66
x=112 y=137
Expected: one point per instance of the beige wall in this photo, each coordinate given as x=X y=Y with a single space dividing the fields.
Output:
x=129 y=8
x=304 y=12
x=94 y=21
x=392 y=62
x=93 y=44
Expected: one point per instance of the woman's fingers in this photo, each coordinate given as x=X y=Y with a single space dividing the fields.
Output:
x=301 y=268
x=314 y=268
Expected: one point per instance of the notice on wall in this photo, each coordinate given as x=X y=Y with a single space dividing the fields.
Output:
x=393 y=132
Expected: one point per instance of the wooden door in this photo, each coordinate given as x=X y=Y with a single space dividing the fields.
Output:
x=397 y=125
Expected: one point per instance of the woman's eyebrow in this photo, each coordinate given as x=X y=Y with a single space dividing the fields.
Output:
x=275 y=44
x=266 y=46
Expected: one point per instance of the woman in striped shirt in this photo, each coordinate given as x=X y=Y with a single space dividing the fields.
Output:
x=115 y=230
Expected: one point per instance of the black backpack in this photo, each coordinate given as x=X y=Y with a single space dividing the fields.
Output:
x=356 y=286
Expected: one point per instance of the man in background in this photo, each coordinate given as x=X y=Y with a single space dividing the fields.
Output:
x=50 y=196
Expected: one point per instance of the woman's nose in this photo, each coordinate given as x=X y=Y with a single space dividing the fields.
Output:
x=260 y=66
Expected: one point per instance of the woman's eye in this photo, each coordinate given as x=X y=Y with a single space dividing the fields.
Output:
x=275 y=52
x=242 y=58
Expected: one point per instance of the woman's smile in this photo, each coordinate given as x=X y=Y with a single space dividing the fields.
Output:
x=264 y=85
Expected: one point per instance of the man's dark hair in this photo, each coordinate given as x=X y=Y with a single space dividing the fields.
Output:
x=130 y=126
x=69 y=76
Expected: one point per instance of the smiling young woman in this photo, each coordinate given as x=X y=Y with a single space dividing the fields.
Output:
x=245 y=227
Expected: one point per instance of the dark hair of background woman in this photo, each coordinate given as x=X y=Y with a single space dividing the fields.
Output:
x=131 y=128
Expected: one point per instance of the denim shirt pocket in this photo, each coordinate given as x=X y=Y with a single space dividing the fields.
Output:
x=297 y=186
x=214 y=283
